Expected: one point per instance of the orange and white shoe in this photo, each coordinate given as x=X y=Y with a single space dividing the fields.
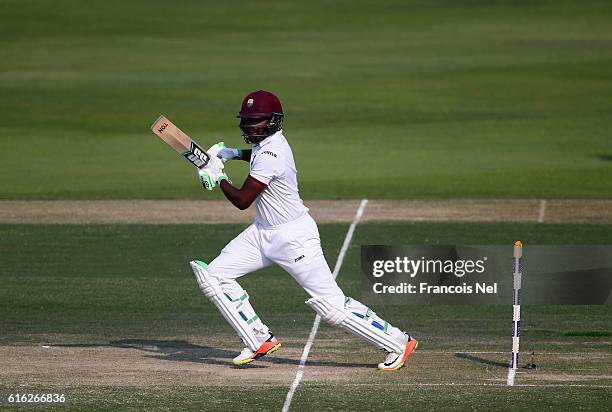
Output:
x=266 y=348
x=395 y=361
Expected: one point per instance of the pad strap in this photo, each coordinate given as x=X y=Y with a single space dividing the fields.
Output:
x=227 y=305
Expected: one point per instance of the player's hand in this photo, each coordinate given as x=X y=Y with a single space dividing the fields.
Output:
x=211 y=177
x=215 y=159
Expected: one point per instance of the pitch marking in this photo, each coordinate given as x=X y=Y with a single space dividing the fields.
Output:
x=317 y=321
x=542 y=212
x=495 y=385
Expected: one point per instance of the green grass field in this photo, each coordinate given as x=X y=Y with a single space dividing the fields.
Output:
x=442 y=99
x=135 y=278
x=383 y=100
x=130 y=286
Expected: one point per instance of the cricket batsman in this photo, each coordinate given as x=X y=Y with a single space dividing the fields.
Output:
x=283 y=233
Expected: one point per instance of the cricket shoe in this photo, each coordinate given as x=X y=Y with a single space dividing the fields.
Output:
x=394 y=361
x=266 y=348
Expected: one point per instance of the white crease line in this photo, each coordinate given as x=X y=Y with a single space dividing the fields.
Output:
x=461 y=352
x=542 y=212
x=317 y=321
x=497 y=385
x=526 y=353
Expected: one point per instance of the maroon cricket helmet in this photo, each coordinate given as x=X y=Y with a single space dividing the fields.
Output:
x=260 y=105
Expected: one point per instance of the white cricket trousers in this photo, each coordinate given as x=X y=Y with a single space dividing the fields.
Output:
x=295 y=246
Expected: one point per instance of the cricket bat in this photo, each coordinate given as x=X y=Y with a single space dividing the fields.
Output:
x=179 y=141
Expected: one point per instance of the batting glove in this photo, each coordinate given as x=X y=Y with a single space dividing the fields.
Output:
x=211 y=177
x=216 y=160
x=229 y=153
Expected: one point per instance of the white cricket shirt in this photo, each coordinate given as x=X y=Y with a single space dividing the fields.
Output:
x=272 y=163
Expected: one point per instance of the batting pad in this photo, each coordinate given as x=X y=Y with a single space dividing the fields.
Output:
x=359 y=324
x=228 y=306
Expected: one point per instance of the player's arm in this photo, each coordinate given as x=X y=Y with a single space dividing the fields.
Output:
x=245 y=154
x=243 y=198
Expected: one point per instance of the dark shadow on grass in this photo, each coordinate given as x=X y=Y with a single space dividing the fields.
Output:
x=606 y=157
x=179 y=350
x=478 y=359
x=183 y=351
